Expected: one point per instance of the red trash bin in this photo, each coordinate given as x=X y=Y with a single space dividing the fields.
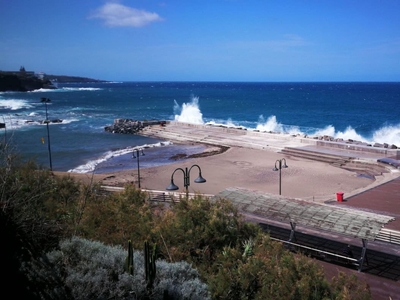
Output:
x=339 y=196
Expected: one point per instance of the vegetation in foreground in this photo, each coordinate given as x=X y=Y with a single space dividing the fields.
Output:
x=66 y=240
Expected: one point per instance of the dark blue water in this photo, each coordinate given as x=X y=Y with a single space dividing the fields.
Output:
x=361 y=111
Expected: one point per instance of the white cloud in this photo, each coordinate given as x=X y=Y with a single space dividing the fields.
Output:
x=118 y=15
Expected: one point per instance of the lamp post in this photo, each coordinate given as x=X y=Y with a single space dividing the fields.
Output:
x=3 y=125
x=45 y=101
x=186 y=179
x=139 y=152
x=279 y=164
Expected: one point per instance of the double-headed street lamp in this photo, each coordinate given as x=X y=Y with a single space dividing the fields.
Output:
x=279 y=164
x=139 y=152
x=45 y=101
x=186 y=179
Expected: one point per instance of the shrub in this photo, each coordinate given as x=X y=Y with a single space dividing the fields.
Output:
x=27 y=228
x=270 y=273
x=349 y=287
x=117 y=218
x=198 y=229
x=93 y=270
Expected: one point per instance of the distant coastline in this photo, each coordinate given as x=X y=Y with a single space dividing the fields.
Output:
x=71 y=79
x=25 y=81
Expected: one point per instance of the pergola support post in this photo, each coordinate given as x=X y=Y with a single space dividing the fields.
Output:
x=363 y=254
x=292 y=232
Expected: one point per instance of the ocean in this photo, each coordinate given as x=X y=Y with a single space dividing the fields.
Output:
x=368 y=112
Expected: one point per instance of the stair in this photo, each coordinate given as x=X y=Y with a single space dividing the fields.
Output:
x=370 y=168
x=336 y=160
x=389 y=236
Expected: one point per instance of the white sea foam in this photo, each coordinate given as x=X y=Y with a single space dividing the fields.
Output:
x=270 y=125
x=19 y=122
x=228 y=123
x=78 y=89
x=388 y=134
x=328 y=130
x=350 y=133
x=189 y=112
x=67 y=121
x=42 y=90
x=14 y=104
x=91 y=165
x=64 y=121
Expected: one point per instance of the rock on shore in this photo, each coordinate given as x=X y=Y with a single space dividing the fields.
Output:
x=129 y=126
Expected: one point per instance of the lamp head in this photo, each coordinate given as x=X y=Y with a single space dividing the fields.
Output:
x=285 y=165
x=172 y=186
x=138 y=152
x=200 y=179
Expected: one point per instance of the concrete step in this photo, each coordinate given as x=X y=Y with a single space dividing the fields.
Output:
x=337 y=160
x=388 y=235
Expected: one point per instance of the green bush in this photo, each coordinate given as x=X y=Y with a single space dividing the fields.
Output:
x=271 y=273
x=93 y=270
x=197 y=230
x=28 y=229
x=117 y=218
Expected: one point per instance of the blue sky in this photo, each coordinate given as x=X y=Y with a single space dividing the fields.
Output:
x=204 y=40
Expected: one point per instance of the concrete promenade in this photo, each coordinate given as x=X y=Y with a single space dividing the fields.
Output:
x=235 y=137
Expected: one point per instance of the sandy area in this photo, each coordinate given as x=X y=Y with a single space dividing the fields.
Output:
x=248 y=168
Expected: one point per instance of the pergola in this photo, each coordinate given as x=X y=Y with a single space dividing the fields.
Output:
x=324 y=217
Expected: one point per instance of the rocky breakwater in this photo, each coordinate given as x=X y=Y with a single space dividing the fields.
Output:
x=129 y=126
x=354 y=142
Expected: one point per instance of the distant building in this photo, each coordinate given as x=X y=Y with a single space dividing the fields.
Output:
x=22 y=73
x=40 y=75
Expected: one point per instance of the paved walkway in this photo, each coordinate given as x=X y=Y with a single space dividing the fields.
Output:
x=383 y=199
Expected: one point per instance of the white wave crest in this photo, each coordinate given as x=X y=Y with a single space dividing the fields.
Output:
x=91 y=165
x=77 y=89
x=350 y=133
x=270 y=125
x=14 y=104
x=67 y=121
x=189 y=112
x=328 y=130
x=388 y=134
x=42 y=90
x=228 y=123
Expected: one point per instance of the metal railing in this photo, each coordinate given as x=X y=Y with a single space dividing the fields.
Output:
x=321 y=253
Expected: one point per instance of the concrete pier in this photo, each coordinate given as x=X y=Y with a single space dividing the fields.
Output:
x=234 y=137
